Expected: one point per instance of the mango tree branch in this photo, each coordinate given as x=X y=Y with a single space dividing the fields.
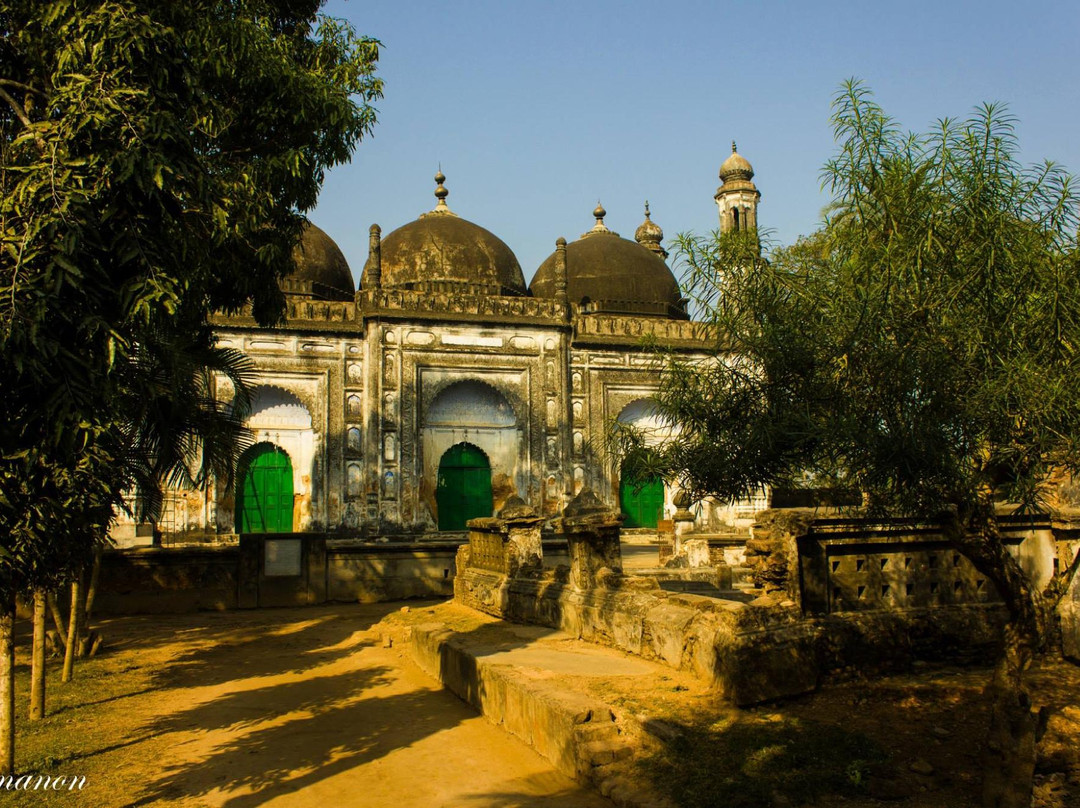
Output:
x=1059 y=584
x=20 y=86
x=20 y=113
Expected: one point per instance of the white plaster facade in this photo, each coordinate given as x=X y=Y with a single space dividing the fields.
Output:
x=367 y=390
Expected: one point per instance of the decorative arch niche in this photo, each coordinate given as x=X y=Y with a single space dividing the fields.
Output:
x=643 y=502
x=279 y=416
x=470 y=411
x=470 y=403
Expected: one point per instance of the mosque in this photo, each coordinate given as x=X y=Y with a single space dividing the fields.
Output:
x=444 y=385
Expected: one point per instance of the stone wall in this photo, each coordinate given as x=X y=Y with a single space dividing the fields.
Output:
x=749 y=653
x=213 y=577
x=775 y=646
x=292 y=570
x=856 y=565
x=373 y=573
x=159 y=580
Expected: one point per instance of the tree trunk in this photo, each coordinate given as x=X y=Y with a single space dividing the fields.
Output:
x=7 y=686
x=95 y=574
x=1008 y=756
x=86 y=636
x=73 y=629
x=37 y=661
x=58 y=619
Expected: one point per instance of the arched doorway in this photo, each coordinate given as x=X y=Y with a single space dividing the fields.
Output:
x=641 y=501
x=264 y=491
x=472 y=413
x=279 y=418
x=463 y=491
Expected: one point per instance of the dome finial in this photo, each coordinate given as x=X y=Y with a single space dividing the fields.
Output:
x=599 y=227
x=440 y=191
x=733 y=149
x=647 y=210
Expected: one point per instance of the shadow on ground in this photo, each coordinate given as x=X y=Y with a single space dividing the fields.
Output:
x=285 y=700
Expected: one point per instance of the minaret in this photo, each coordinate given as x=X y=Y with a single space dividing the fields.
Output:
x=560 y=272
x=372 y=274
x=737 y=197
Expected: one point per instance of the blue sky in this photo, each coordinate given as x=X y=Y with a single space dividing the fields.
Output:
x=537 y=109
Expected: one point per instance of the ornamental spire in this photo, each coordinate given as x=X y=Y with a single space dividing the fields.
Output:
x=440 y=191
x=599 y=227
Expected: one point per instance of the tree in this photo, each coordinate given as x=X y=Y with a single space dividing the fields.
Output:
x=156 y=159
x=921 y=348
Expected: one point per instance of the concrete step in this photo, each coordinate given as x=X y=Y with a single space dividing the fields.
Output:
x=578 y=733
x=601 y=753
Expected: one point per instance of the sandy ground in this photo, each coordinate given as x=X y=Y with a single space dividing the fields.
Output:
x=307 y=707
x=928 y=726
x=278 y=708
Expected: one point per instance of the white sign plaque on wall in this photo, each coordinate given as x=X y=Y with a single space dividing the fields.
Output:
x=281 y=558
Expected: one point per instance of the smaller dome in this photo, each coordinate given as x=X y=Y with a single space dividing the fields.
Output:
x=321 y=268
x=649 y=235
x=736 y=167
x=606 y=273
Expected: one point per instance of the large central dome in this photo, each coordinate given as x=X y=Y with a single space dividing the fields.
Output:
x=440 y=251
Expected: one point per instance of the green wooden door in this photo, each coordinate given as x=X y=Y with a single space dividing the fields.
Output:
x=265 y=494
x=464 y=488
x=642 y=502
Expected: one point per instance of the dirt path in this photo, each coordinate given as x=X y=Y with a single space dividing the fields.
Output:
x=278 y=708
x=306 y=707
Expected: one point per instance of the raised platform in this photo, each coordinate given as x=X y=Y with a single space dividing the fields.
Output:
x=568 y=699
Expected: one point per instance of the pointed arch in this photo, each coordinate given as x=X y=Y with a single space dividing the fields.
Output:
x=470 y=402
x=642 y=500
x=463 y=490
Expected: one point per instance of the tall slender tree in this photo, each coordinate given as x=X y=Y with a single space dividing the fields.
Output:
x=156 y=160
x=921 y=347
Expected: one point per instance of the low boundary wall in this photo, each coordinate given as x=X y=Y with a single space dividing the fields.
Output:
x=283 y=569
x=833 y=598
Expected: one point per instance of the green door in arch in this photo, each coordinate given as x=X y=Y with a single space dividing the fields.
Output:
x=641 y=501
x=464 y=488
x=265 y=492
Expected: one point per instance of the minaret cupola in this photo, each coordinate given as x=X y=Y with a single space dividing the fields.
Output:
x=737 y=197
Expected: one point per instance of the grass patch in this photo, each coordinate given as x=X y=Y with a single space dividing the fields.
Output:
x=750 y=762
x=71 y=727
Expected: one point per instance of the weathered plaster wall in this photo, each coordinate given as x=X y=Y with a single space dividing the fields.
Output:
x=155 y=580
x=367 y=373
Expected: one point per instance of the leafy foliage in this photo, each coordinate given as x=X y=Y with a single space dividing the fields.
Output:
x=156 y=159
x=921 y=347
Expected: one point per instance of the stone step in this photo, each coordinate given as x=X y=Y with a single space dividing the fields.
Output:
x=601 y=753
x=577 y=733
x=595 y=731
